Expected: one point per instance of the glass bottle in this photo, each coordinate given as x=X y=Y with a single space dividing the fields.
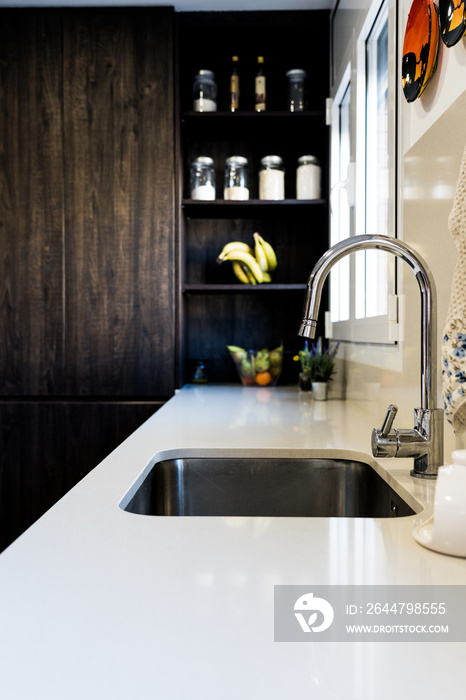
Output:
x=308 y=178
x=260 y=88
x=296 y=90
x=236 y=178
x=234 y=85
x=272 y=178
x=205 y=92
x=202 y=178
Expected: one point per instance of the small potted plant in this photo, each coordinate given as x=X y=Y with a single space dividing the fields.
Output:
x=318 y=367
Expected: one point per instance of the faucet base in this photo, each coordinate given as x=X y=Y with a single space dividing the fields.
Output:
x=424 y=443
x=430 y=424
x=420 y=475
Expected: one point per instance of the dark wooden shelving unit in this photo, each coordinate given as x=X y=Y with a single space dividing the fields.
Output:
x=215 y=309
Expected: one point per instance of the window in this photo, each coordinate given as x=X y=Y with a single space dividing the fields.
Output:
x=362 y=286
x=372 y=266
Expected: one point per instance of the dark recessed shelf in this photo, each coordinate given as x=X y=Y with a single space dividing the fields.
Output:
x=241 y=288
x=221 y=208
x=215 y=307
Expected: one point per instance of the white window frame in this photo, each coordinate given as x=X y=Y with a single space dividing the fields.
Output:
x=375 y=329
x=339 y=182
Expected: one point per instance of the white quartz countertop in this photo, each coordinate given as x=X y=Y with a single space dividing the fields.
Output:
x=99 y=603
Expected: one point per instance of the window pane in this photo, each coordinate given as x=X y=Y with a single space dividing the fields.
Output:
x=371 y=267
x=377 y=130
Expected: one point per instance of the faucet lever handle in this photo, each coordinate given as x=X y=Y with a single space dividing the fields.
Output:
x=392 y=410
x=384 y=443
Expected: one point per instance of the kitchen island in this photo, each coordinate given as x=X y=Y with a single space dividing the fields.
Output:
x=96 y=602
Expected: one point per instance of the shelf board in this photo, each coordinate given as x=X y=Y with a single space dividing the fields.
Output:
x=319 y=114
x=253 y=126
x=238 y=288
x=221 y=208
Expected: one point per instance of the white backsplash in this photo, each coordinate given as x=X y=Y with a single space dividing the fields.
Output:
x=392 y=374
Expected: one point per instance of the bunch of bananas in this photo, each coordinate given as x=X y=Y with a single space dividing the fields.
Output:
x=250 y=265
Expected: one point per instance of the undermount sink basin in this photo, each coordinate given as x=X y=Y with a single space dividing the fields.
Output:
x=292 y=487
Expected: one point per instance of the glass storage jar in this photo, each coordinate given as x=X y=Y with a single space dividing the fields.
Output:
x=236 y=178
x=272 y=178
x=308 y=178
x=205 y=92
x=202 y=178
x=297 y=100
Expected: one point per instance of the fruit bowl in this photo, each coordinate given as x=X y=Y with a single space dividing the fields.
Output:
x=257 y=367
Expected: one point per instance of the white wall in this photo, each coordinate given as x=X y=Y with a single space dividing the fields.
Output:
x=430 y=173
x=445 y=86
x=432 y=135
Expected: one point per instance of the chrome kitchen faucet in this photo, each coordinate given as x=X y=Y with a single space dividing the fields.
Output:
x=425 y=441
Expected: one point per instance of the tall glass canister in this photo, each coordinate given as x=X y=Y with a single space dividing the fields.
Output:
x=272 y=178
x=236 y=178
x=202 y=178
x=308 y=178
x=205 y=92
x=297 y=97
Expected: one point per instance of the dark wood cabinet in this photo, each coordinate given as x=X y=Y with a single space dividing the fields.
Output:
x=119 y=203
x=46 y=447
x=31 y=196
x=215 y=309
x=87 y=191
x=87 y=281
x=32 y=475
x=94 y=429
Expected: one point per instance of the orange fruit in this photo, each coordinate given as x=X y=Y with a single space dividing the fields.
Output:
x=263 y=378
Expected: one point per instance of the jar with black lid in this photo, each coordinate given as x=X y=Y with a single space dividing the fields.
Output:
x=297 y=98
x=205 y=92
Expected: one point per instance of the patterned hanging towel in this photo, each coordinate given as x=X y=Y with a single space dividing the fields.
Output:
x=454 y=337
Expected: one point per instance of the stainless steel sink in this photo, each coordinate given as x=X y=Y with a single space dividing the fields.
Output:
x=292 y=487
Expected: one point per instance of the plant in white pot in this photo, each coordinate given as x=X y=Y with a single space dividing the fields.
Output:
x=320 y=367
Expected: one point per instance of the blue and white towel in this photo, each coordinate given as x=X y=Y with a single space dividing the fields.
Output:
x=454 y=337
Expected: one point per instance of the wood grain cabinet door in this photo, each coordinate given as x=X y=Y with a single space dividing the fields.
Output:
x=119 y=202
x=31 y=204
x=87 y=202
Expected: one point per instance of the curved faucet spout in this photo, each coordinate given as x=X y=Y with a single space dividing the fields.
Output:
x=428 y=338
x=428 y=294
